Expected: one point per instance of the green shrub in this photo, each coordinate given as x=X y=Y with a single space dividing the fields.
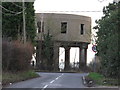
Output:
x=101 y=80
x=95 y=76
x=10 y=77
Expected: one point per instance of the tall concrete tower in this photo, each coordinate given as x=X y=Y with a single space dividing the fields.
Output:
x=67 y=31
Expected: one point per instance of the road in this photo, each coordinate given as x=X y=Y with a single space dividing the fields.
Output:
x=52 y=80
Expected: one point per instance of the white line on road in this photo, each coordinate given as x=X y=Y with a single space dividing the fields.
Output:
x=45 y=87
x=57 y=78
x=84 y=80
x=52 y=81
x=60 y=76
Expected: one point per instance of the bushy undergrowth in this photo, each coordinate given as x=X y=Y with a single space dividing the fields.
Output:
x=10 y=77
x=102 y=80
x=96 y=76
x=16 y=56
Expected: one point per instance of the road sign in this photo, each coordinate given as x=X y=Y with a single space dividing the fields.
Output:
x=94 y=48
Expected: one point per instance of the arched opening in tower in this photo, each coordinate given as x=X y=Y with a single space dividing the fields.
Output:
x=73 y=60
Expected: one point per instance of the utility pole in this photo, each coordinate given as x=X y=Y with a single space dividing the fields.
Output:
x=42 y=27
x=39 y=59
x=24 y=23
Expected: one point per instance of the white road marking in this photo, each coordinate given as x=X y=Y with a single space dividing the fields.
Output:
x=57 y=78
x=52 y=81
x=45 y=87
x=84 y=80
x=60 y=76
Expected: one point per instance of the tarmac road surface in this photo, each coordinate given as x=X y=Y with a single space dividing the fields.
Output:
x=47 y=81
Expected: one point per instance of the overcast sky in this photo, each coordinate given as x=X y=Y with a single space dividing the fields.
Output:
x=72 y=7
x=92 y=8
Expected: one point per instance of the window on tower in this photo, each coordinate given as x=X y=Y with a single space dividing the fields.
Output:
x=39 y=24
x=63 y=27
x=82 y=29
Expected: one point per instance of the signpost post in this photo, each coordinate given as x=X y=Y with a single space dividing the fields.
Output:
x=94 y=63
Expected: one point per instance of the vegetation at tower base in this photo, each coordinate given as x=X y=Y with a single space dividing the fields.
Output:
x=12 y=29
x=48 y=51
x=12 y=22
x=108 y=39
x=16 y=56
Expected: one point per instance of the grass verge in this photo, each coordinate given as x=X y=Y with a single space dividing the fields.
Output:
x=9 y=77
x=101 y=80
